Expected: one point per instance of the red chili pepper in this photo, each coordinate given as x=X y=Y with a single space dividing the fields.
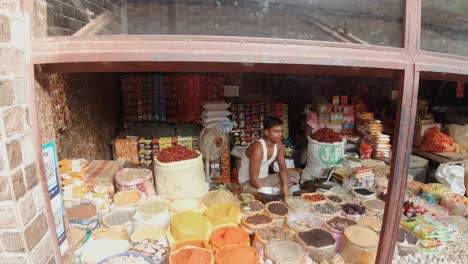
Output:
x=326 y=135
x=176 y=153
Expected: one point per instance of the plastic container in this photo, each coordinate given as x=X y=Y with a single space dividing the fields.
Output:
x=457 y=204
x=152 y=213
x=436 y=190
x=415 y=187
x=359 y=245
x=337 y=234
x=222 y=214
x=319 y=254
x=285 y=252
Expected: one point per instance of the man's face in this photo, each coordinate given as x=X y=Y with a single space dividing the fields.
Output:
x=275 y=134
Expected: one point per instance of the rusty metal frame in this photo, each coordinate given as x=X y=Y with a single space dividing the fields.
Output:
x=244 y=54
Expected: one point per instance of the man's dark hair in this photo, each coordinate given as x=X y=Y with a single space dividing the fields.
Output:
x=271 y=121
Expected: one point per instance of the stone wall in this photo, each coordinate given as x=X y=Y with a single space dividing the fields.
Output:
x=65 y=17
x=24 y=233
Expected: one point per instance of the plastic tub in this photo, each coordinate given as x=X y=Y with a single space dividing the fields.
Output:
x=338 y=234
x=359 y=245
x=457 y=204
x=436 y=190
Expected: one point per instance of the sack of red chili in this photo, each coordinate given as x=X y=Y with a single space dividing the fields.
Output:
x=326 y=135
x=179 y=173
x=325 y=149
x=177 y=153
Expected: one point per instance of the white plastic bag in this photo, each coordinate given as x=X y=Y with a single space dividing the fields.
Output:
x=451 y=175
x=320 y=156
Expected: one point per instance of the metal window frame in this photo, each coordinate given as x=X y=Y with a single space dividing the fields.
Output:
x=244 y=54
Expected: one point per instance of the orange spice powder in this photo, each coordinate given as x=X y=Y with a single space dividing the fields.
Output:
x=236 y=255
x=191 y=256
x=228 y=236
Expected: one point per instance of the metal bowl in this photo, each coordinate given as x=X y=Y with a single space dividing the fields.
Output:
x=269 y=194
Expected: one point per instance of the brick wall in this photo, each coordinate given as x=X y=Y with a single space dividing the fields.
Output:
x=24 y=232
x=65 y=17
x=95 y=114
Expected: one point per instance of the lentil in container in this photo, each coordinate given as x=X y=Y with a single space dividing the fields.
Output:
x=82 y=211
x=326 y=208
x=258 y=219
x=278 y=209
x=340 y=223
x=317 y=238
x=273 y=233
x=119 y=218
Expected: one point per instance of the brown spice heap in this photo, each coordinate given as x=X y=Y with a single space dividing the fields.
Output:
x=273 y=233
x=340 y=223
x=258 y=219
x=82 y=211
x=278 y=209
x=335 y=199
x=317 y=238
x=255 y=206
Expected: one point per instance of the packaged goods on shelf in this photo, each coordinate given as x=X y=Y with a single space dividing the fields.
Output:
x=247 y=120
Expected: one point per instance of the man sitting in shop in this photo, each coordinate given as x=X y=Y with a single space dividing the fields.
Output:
x=253 y=172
